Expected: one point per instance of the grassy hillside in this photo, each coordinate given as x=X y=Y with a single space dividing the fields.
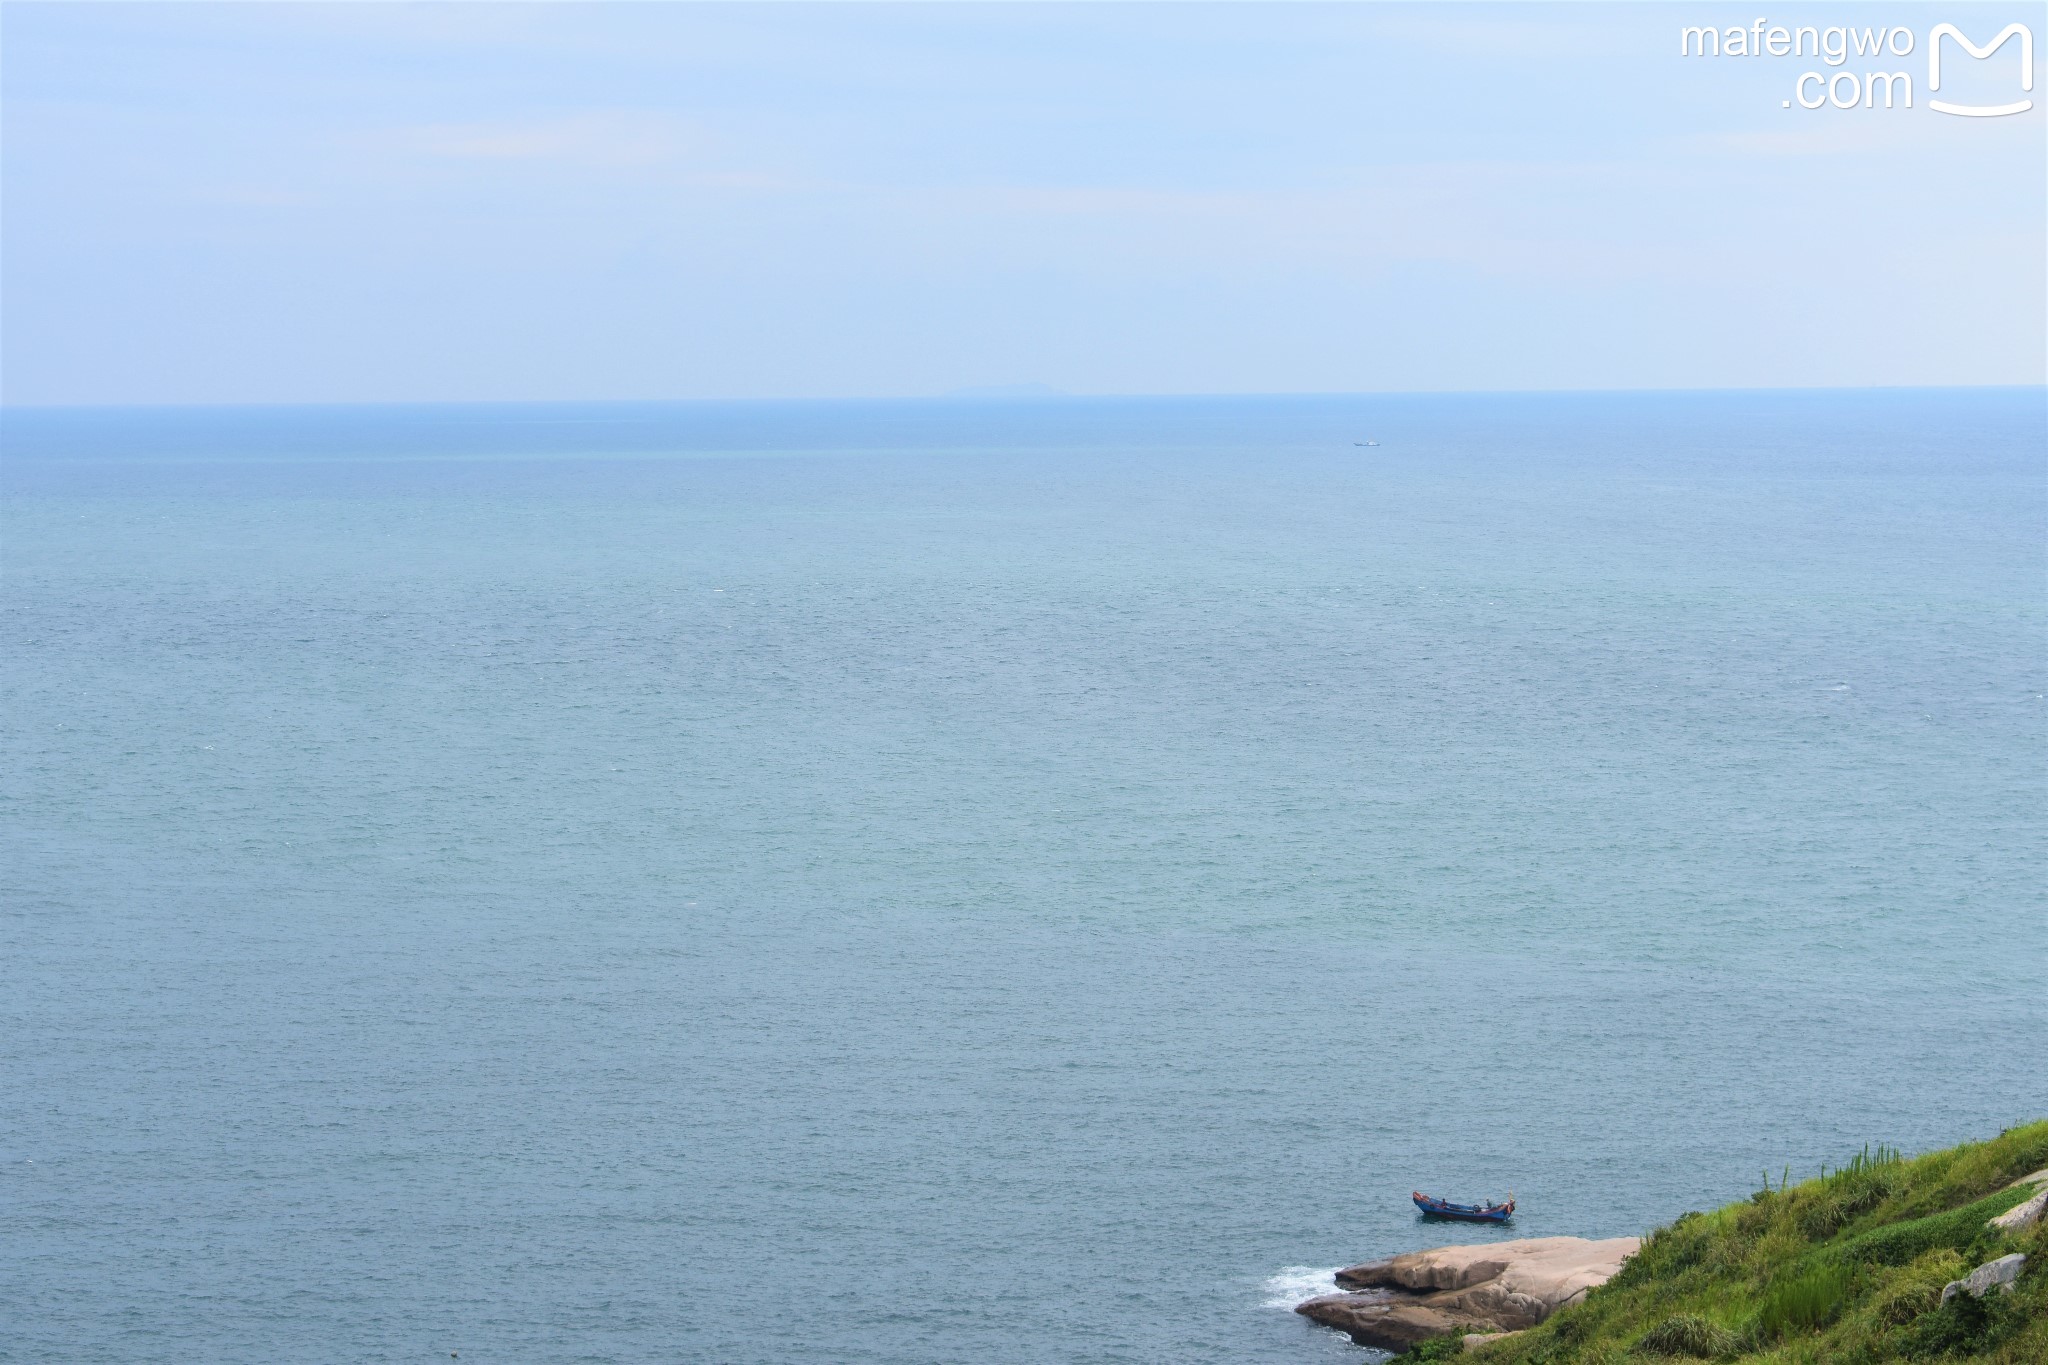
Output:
x=1846 y=1268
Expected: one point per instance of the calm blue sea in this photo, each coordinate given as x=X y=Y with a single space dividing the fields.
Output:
x=944 y=882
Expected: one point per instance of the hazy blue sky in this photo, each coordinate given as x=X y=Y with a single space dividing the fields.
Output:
x=361 y=202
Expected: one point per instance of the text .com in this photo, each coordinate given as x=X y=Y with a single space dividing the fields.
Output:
x=1881 y=45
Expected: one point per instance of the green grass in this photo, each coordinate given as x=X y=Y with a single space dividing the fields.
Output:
x=1845 y=1267
x=1805 y=1299
x=1687 y=1334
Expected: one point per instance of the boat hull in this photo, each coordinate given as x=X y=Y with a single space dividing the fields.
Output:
x=1464 y=1213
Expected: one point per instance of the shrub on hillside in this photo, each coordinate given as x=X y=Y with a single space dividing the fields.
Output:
x=1687 y=1334
x=1804 y=1302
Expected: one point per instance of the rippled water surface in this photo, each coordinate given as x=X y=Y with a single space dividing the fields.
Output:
x=938 y=883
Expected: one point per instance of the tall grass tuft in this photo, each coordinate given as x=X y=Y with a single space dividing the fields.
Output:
x=1804 y=1302
x=1841 y=1195
x=1687 y=1334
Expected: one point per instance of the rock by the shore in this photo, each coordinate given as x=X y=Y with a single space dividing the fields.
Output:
x=1460 y=1290
x=1998 y=1274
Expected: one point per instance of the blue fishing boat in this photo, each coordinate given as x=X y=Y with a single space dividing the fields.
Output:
x=1470 y=1213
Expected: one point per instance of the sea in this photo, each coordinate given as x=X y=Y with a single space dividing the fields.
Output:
x=982 y=881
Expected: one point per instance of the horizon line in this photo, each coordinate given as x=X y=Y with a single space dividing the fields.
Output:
x=970 y=398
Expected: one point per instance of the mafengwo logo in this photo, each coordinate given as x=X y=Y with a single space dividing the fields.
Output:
x=1880 y=45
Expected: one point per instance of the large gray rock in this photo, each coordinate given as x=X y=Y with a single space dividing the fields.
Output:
x=1491 y=1287
x=2023 y=1216
x=1998 y=1274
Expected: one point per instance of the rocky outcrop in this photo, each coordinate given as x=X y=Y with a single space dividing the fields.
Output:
x=1487 y=1288
x=2023 y=1216
x=1998 y=1274
x=2019 y=1219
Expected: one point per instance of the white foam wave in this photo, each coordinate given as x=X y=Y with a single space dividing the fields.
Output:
x=1299 y=1284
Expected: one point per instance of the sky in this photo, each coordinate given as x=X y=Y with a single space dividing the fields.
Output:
x=271 y=203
